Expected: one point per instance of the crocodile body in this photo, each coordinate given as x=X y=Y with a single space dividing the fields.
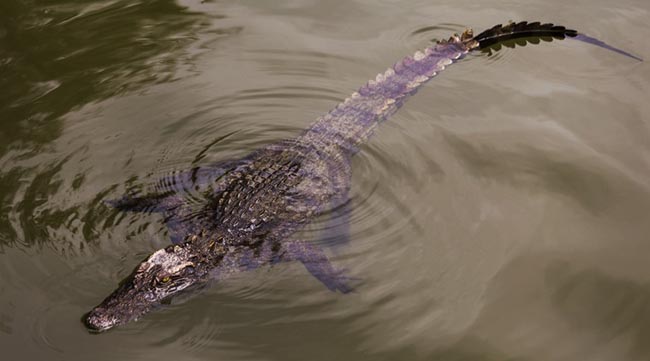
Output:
x=253 y=206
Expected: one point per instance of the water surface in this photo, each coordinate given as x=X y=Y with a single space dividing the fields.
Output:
x=502 y=214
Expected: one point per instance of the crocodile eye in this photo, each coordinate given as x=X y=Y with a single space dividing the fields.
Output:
x=165 y=279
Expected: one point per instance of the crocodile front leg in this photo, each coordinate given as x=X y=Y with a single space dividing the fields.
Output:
x=317 y=263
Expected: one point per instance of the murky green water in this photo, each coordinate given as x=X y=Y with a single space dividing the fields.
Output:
x=502 y=214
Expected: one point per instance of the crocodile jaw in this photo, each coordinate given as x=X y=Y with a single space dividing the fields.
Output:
x=163 y=275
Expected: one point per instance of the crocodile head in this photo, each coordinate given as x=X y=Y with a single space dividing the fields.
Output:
x=162 y=275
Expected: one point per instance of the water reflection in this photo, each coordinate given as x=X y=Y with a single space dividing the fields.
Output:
x=56 y=57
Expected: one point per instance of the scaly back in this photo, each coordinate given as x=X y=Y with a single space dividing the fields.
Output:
x=354 y=120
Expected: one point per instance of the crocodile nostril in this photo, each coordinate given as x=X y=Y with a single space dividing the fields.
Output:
x=95 y=322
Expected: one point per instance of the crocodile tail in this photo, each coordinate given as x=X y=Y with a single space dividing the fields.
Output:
x=524 y=29
x=532 y=32
x=593 y=41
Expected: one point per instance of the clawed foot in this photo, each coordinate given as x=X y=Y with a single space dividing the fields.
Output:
x=317 y=263
x=333 y=279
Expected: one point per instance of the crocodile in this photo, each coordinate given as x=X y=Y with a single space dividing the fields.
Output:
x=253 y=206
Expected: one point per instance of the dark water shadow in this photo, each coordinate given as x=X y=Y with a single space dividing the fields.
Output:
x=32 y=219
x=55 y=57
x=569 y=303
x=606 y=306
x=535 y=169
